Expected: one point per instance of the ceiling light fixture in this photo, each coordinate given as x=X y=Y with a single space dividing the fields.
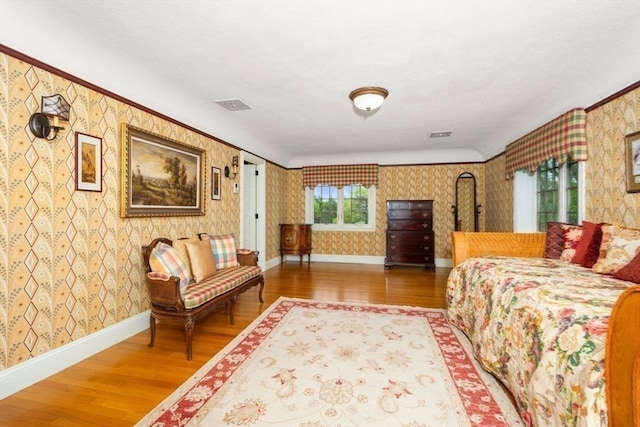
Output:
x=368 y=98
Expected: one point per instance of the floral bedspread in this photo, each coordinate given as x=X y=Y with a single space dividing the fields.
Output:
x=540 y=326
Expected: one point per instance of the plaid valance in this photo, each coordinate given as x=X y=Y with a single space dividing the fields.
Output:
x=340 y=175
x=561 y=138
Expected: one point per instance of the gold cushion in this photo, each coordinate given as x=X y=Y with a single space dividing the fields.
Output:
x=180 y=245
x=203 y=265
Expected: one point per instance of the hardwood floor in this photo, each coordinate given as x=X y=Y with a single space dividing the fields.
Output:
x=118 y=386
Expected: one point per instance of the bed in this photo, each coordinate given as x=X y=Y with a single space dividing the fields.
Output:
x=564 y=340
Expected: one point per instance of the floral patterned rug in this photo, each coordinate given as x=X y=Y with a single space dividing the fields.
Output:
x=308 y=363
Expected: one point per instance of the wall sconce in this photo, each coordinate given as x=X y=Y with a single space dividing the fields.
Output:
x=234 y=168
x=54 y=106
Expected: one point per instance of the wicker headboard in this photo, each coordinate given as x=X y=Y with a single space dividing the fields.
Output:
x=474 y=244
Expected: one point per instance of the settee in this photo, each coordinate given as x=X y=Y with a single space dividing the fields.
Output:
x=189 y=278
x=564 y=339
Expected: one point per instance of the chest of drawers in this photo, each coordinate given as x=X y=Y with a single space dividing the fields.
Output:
x=410 y=238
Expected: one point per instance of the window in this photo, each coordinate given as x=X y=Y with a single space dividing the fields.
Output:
x=552 y=193
x=547 y=190
x=351 y=207
x=557 y=189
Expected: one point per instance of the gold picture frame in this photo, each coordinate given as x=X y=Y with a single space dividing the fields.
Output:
x=159 y=176
x=88 y=162
x=632 y=142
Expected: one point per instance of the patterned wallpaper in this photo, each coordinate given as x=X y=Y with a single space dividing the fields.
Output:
x=498 y=210
x=69 y=265
x=606 y=196
x=277 y=188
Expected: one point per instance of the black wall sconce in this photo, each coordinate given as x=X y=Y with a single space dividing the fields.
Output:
x=55 y=107
x=231 y=173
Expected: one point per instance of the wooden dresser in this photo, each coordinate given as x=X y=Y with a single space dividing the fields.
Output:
x=410 y=238
x=295 y=239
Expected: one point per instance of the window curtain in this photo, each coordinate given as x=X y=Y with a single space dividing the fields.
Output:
x=562 y=138
x=340 y=175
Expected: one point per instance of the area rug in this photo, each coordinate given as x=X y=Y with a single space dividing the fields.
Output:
x=308 y=363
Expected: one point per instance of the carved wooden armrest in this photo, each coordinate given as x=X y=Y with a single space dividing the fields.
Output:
x=247 y=257
x=164 y=290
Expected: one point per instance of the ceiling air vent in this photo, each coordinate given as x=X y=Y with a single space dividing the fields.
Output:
x=441 y=134
x=233 y=104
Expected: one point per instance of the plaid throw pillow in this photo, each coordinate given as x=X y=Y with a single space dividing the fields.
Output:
x=165 y=259
x=224 y=250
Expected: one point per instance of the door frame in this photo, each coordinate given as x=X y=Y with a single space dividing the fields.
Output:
x=261 y=203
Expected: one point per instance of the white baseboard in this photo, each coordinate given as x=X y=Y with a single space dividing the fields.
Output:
x=347 y=259
x=33 y=370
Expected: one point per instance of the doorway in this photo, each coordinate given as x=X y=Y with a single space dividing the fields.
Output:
x=253 y=205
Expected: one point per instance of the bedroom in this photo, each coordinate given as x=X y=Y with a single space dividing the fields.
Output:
x=59 y=240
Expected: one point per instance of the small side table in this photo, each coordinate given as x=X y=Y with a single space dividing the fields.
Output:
x=295 y=239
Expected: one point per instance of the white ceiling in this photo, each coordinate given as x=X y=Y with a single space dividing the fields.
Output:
x=490 y=71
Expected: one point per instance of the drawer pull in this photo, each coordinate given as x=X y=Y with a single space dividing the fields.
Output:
x=425 y=225
x=392 y=236
x=427 y=237
x=426 y=248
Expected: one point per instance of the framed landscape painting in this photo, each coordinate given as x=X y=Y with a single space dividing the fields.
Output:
x=160 y=176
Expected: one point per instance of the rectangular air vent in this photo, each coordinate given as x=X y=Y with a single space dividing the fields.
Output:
x=441 y=134
x=233 y=104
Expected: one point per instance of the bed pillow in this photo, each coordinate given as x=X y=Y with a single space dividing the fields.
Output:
x=619 y=246
x=201 y=258
x=588 y=230
x=571 y=235
x=562 y=240
x=554 y=241
x=164 y=259
x=224 y=250
x=631 y=271
x=593 y=250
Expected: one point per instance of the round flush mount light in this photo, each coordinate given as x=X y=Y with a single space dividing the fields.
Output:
x=368 y=98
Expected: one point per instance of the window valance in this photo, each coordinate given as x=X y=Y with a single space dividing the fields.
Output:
x=340 y=175
x=561 y=138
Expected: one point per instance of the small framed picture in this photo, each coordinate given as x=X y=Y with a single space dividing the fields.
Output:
x=215 y=183
x=88 y=162
x=633 y=162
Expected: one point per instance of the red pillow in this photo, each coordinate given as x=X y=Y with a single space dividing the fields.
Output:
x=588 y=228
x=631 y=271
x=593 y=251
x=562 y=240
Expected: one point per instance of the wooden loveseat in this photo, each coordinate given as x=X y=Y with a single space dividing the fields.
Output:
x=497 y=282
x=188 y=278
